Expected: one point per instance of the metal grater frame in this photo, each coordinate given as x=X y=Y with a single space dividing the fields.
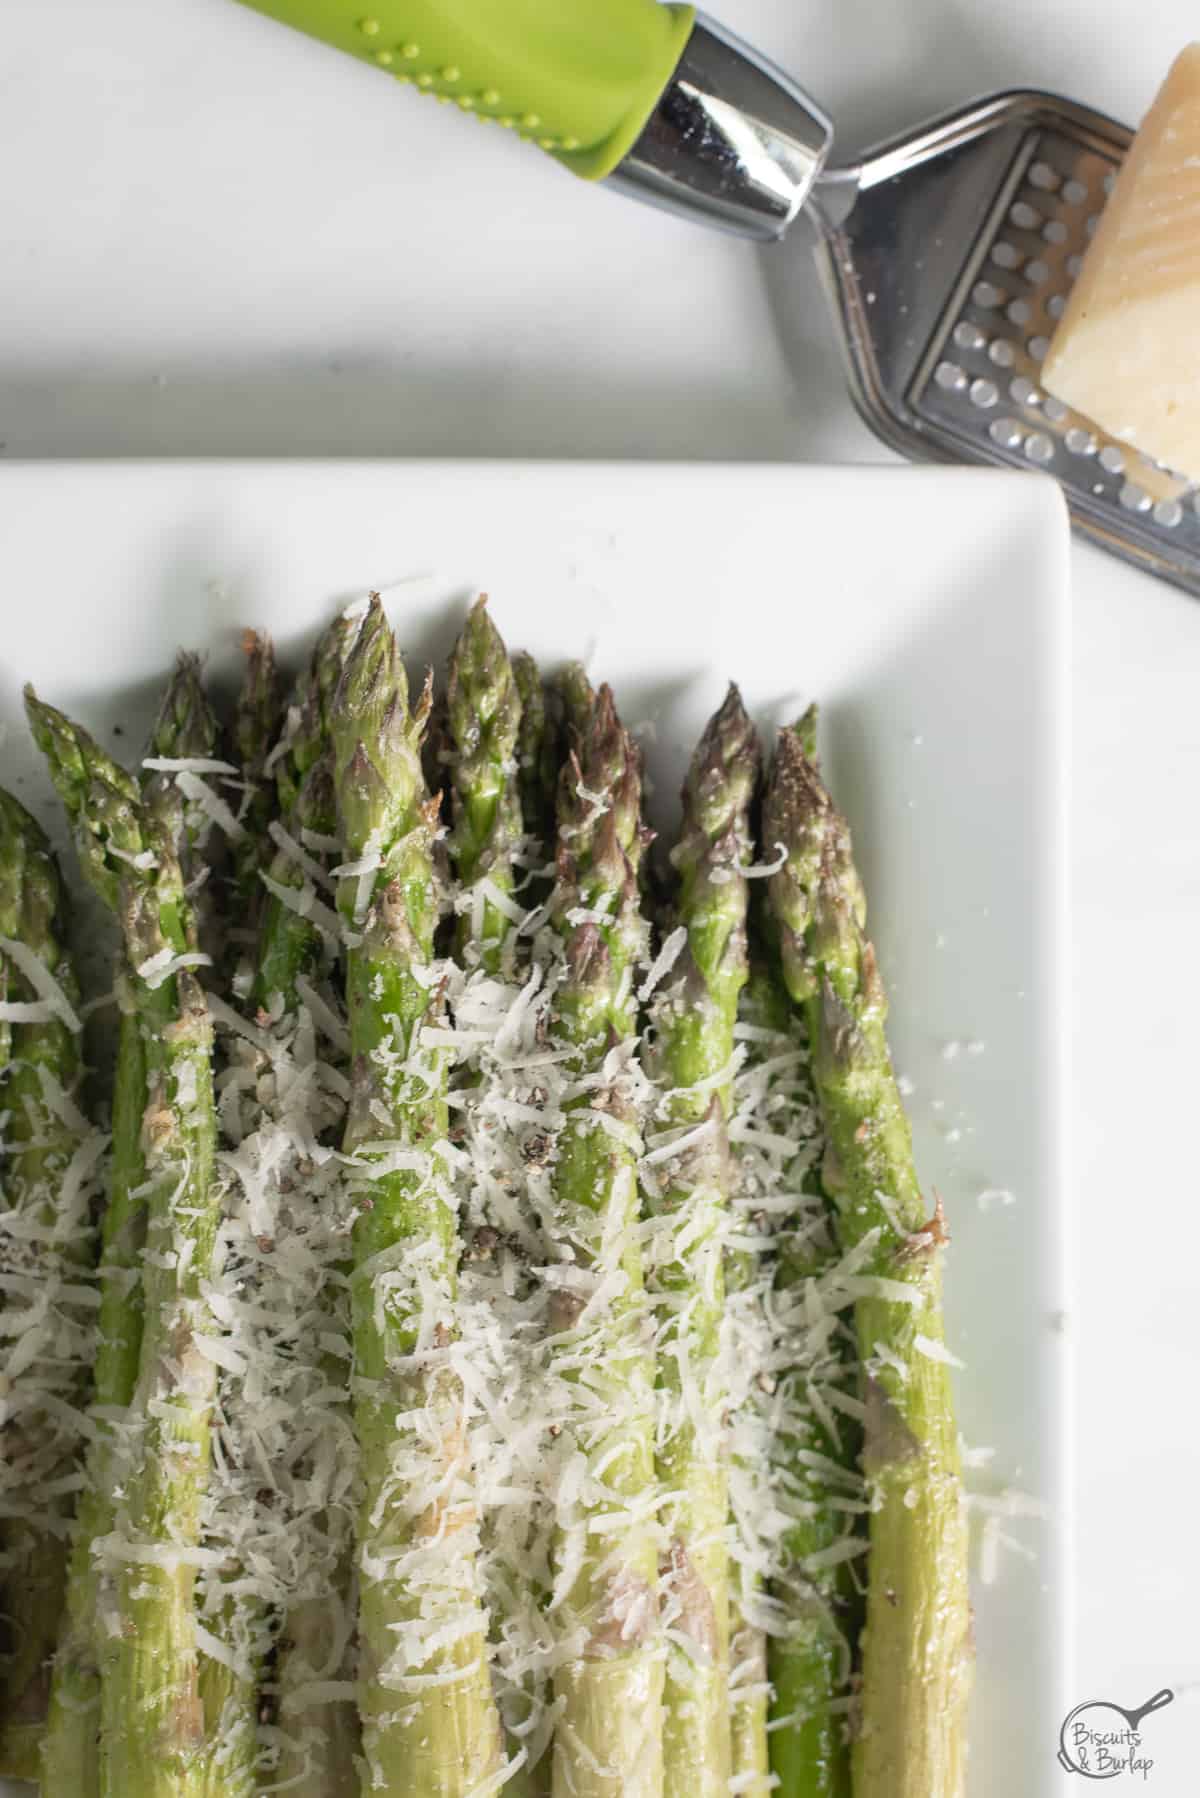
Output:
x=943 y=350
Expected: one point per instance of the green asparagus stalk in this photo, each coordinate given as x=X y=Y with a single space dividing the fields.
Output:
x=429 y=1720
x=808 y=1659
x=536 y=796
x=749 y=1743
x=229 y=1685
x=310 y=711
x=47 y=1246
x=485 y=720
x=256 y=727
x=609 y=1737
x=151 y=1716
x=574 y=702
x=185 y=727
x=538 y=749
x=321 y=1737
x=916 y=1657
x=289 y=945
x=483 y=713
x=763 y=1006
x=692 y=1035
x=70 y=1757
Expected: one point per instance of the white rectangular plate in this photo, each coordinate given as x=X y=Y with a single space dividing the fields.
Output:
x=925 y=609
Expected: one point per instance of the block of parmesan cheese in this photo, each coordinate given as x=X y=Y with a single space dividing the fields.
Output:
x=1127 y=350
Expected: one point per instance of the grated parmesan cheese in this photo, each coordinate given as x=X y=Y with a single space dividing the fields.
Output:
x=788 y=1352
x=42 y=980
x=54 y=1166
x=217 y=810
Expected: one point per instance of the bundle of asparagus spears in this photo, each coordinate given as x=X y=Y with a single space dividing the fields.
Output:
x=496 y=1343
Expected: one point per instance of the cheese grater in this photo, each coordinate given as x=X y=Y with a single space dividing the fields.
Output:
x=947 y=252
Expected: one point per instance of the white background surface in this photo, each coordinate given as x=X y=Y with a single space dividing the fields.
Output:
x=216 y=238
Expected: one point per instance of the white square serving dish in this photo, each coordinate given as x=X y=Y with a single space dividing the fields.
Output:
x=925 y=609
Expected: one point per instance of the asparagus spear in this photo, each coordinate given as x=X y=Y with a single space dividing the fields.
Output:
x=185 y=727
x=151 y=1719
x=762 y=1006
x=310 y=712
x=692 y=1033
x=47 y=1245
x=812 y=1485
x=574 y=703
x=486 y=724
x=70 y=1761
x=483 y=711
x=289 y=945
x=257 y=722
x=239 y=1619
x=429 y=1722
x=608 y=1738
x=538 y=758
x=916 y=1661
x=320 y=1735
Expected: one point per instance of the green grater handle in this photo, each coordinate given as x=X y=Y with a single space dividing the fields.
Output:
x=580 y=78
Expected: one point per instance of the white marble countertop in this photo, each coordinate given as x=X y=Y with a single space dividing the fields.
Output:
x=218 y=239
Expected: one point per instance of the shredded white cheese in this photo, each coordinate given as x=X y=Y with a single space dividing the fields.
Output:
x=157 y=969
x=787 y=1349
x=304 y=902
x=40 y=978
x=187 y=764
x=216 y=809
x=53 y=1171
x=278 y=1520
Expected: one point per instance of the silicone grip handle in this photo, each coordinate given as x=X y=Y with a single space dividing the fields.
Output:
x=578 y=77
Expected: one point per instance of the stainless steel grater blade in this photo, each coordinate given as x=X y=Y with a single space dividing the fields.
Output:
x=948 y=256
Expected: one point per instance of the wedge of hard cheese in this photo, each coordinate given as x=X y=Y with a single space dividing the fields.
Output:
x=1127 y=352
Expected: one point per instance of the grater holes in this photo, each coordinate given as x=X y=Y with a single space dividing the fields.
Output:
x=1007 y=432
x=1091 y=223
x=980 y=381
x=968 y=336
x=950 y=377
